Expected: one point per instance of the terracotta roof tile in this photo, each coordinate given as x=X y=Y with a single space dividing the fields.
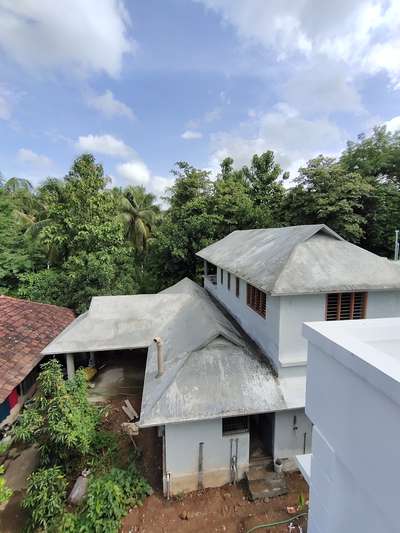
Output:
x=25 y=329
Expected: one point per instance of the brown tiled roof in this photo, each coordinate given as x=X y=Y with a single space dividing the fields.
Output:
x=25 y=329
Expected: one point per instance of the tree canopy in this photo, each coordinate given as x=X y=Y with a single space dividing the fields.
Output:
x=70 y=239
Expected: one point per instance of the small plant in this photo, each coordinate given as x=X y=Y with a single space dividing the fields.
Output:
x=4 y=446
x=5 y=492
x=45 y=498
x=108 y=498
x=301 y=502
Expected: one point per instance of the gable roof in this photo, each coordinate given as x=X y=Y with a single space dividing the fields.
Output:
x=206 y=357
x=301 y=260
x=25 y=329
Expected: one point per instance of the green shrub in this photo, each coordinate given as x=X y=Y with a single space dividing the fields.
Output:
x=5 y=492
x=109 y=497
x=60 y=419
x=45 y=498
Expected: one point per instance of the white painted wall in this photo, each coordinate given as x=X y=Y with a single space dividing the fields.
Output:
x=288 y=441
x=353 y=399
x=280 y=333
x=264 y=331
x=182 y=453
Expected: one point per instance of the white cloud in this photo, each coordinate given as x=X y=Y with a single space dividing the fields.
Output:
x=29 y=156
x=322 y=87
x=89 y=36
x=104 y=144
x=293 y=138
x=108 y=105
x=191 y=134
x=363 y=34
x=393 y=124
x=135 y=171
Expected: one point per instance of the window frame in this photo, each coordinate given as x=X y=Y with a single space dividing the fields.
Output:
x=234 y=424
x=360 y=308
x=256 y=299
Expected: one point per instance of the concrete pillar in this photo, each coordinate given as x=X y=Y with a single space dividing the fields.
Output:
x=92 y=360
x=70 y=365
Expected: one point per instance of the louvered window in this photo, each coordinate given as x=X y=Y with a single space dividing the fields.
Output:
x=229 y=281
x=346 y=305
x=257 y=300
x=235 y=424
x=237 y=287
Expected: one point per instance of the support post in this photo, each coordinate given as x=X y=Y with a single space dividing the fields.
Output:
x=70 y=365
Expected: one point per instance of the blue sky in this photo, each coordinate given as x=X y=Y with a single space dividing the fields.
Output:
x=145 y=84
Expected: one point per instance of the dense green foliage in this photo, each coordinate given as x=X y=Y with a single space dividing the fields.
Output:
x=68 y=431
x=45 y=498
x=60 y=419
x=71 y=239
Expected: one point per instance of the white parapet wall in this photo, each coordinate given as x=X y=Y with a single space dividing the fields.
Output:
x=353 y=400
x=182 y=442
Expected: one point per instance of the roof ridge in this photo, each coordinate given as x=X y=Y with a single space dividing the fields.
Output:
x=318 y=228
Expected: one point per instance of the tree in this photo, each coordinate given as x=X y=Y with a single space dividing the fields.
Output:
x=60 y=420
x=327 y=193
x=14 y=257
x=138 y=215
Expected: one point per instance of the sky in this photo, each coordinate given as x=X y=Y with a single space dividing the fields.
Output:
x=143 y=84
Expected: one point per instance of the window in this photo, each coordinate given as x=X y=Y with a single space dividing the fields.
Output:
x=235 y=424
x=222 y=277
x=229 y=281
x=257 y=300
x=210 y=272
x=237 y=287
x=346 y=305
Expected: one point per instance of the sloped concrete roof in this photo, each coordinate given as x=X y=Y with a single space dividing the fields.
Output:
x=301 y=260
x=211 y=368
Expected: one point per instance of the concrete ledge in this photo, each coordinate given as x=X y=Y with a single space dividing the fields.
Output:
x=304 y=463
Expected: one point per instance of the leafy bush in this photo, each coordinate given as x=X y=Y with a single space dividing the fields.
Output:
x=60 y=419
x=5 y=492
x=109 y=497
x=104 y=451
x=45 y=498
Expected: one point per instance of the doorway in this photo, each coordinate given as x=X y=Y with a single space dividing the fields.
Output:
x=261 y=436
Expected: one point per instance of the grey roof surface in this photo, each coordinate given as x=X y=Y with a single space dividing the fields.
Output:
x=117 y=323
x=211 y=368
x=301 y=260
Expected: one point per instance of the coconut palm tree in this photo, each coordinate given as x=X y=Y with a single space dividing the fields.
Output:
x=139 y=214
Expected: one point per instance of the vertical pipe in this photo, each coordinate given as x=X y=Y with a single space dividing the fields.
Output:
x=396 y=245
x=200 y=484
x=304 y=443
x=231 y=461
x=236 y=459
x=70 y=365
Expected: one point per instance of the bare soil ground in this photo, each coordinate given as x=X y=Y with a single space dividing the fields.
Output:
x=213 y=510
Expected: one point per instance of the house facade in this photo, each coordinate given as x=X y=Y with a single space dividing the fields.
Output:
x=225 y=375
x=272 y=281
x=353 y=469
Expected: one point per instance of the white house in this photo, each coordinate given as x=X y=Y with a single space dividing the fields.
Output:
x=353 y=400
x=273 y=280
x=225 y=372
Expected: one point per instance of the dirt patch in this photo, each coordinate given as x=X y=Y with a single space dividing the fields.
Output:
x=213 y=510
